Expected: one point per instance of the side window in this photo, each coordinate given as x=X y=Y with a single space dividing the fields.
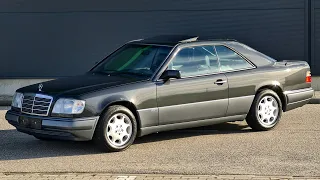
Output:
x=193 y=61
x=230 y=60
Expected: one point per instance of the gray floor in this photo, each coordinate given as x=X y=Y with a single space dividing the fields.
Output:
x=231 y=148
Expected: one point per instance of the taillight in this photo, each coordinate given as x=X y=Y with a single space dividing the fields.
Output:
x=308 y=77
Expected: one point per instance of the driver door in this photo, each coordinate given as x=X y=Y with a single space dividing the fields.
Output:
x=201 y=93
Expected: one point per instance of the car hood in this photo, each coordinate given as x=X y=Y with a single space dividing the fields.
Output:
x=77 y=85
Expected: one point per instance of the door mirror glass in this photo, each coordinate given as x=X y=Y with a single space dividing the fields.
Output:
x=171 y=74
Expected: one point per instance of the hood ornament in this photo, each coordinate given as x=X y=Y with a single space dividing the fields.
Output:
x=40 y=87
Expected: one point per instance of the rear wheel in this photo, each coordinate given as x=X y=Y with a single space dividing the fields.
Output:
x=265 y=112
x=116 y=129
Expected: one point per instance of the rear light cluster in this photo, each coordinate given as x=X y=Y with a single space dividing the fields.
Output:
x=308 y=77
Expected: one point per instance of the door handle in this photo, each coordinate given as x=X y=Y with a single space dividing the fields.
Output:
x=220 y=82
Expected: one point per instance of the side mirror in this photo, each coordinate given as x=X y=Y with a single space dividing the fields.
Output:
x=167 y=74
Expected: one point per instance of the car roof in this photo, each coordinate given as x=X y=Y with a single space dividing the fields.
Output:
x=256 y=57
x=172 y=40
x=169 y=40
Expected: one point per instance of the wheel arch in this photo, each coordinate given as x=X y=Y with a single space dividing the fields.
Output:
x=277 y=89
x=128 y=105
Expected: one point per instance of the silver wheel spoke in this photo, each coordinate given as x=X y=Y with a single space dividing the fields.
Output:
x=261 y=116
x=124 y=136
x=118 y=141
x=267 y=110
x=126 y=133
x=274 y=111
x=119 y=129
x=125 y=126
x=268 y=119
x=111 y=126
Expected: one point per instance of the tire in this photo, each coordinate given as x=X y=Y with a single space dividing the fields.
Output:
x=116 y=129
x=265 y=112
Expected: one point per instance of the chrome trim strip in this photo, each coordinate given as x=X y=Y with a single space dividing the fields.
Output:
x=187 y=77
x=158 y=72
x=37 y=105
x=196 y=102
x=33 y=106
x=242 y=97
x=236 y=70
x=297 y=91
x=299 y=101
x=41 y=106
x=152 y=44
x=135 y=40
x=178 y=47
x=147 y=109
x=35 y=109
x=189 y=40
x=41 y=101
x=223 y=43
x=201 y=102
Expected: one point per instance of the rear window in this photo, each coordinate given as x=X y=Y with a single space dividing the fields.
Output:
x=261 y=54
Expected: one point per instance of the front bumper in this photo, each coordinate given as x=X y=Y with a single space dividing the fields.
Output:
x=298 y=98
x=77 y=129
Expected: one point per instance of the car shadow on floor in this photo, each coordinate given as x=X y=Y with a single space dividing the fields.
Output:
x=15 y=145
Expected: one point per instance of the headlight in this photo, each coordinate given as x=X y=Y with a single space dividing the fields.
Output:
x=68 y=106
x=17 y=100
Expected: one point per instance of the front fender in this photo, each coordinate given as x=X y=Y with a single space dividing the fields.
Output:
x=140 y=97
x=111 y=100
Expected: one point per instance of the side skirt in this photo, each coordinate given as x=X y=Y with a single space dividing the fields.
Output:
x=190 y=124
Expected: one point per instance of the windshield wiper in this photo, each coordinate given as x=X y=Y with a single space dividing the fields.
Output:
x=108 y=72
x=127 y=72
x=130 y=73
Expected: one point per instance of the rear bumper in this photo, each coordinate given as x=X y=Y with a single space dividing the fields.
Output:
x=77 y=129
x=298 y=98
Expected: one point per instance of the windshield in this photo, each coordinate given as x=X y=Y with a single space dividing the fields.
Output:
x=134 y=59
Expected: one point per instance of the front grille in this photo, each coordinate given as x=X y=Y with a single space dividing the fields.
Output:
x=36 y=104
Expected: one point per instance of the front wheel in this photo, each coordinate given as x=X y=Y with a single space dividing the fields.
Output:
x=116 y=129
x=265 y=112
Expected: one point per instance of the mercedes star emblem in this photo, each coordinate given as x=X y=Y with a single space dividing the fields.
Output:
x=40 y=87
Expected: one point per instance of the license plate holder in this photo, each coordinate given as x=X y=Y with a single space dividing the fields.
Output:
x=33 y=123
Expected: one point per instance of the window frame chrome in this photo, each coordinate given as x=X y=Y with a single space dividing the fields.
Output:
x=178 y=47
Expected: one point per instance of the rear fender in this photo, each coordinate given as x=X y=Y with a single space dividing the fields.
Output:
x=275 y=86
x=270 y=83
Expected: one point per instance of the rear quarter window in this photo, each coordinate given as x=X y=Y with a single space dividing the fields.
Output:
x=230 y=60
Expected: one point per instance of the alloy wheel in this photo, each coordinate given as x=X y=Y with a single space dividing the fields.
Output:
x=268 y=110
x=119 y=129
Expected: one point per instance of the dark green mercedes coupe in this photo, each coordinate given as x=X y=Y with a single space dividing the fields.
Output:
x=159 y=84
